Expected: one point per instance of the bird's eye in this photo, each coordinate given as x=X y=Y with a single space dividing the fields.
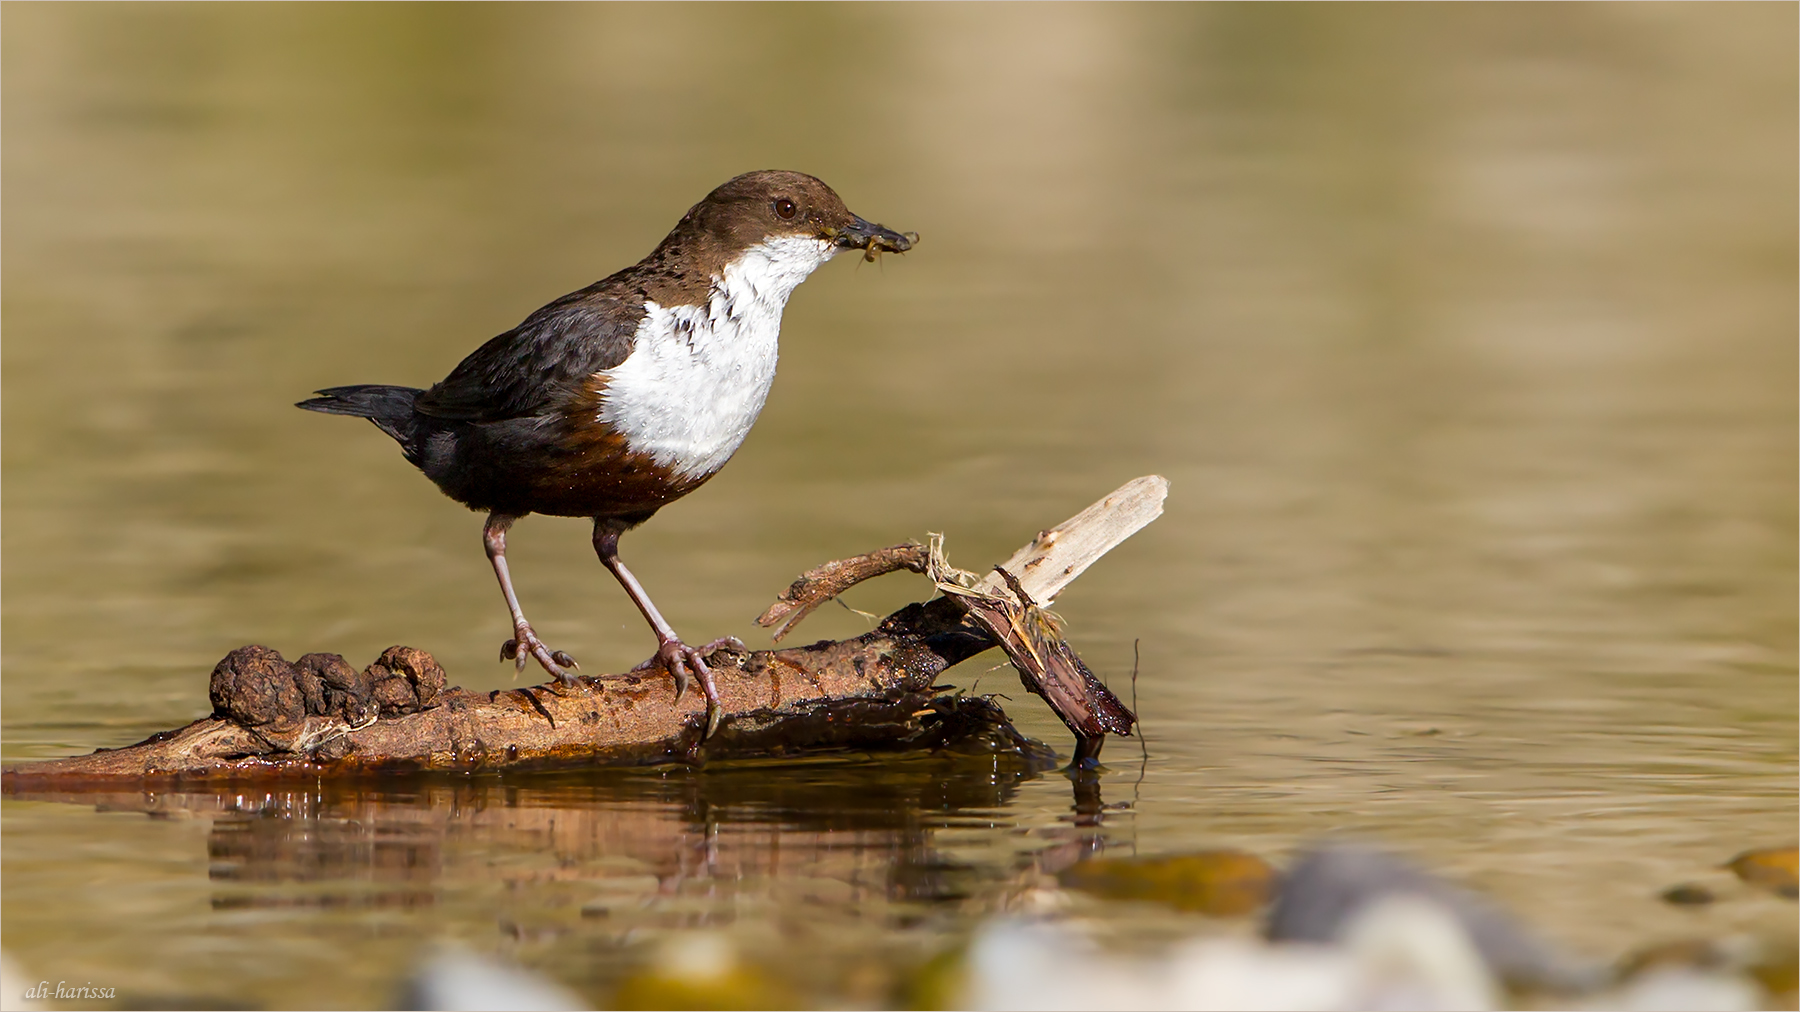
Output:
x=784 y=208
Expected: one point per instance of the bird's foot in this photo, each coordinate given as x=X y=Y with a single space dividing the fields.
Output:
x=525 y=644
x=685 y=663
x=722 y=643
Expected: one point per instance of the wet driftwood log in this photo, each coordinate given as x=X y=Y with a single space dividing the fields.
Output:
x=319 y=716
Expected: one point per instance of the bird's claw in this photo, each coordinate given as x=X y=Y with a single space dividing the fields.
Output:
x=686 y=664
x=525 y=644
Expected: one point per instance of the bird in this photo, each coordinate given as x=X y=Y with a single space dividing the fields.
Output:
x=615 y=400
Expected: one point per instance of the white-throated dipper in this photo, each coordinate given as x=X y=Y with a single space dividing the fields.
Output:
x=613 y=401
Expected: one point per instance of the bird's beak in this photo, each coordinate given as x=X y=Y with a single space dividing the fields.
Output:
x=872 y=239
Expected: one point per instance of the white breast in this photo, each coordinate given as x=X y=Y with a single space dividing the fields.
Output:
x=698 y=376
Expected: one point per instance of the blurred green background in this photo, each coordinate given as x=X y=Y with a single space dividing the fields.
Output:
x=1465 y=334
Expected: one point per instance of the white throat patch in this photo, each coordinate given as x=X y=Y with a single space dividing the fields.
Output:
x=699 y=375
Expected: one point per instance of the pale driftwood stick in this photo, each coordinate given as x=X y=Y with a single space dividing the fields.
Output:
x=1057 y=556
x=1043 y=568
x=822 y=583
x=319 y=717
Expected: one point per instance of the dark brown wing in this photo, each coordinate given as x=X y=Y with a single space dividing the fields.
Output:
x=539 y=364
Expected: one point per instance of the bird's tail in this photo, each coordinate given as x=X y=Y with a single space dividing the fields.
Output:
x=390 y=408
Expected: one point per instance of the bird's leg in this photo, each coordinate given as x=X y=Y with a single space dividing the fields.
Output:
x=679 y=658
x=524 y=642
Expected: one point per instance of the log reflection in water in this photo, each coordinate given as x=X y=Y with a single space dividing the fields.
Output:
x=858 y=832
x=836 y=880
